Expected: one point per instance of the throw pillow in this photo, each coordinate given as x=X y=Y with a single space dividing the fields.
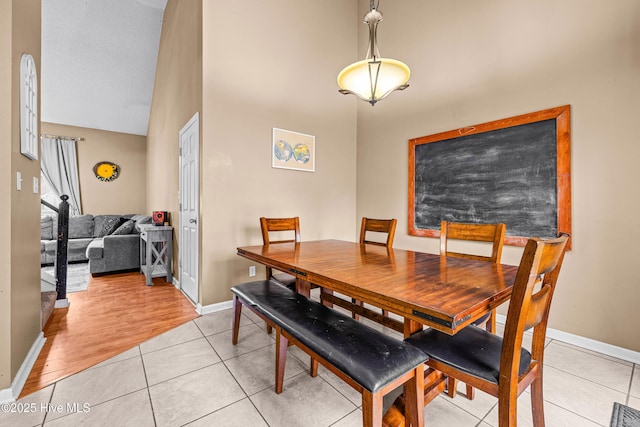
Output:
x=110 y=225
x=125 y=228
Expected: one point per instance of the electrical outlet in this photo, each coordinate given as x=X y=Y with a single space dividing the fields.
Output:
x=252 y=271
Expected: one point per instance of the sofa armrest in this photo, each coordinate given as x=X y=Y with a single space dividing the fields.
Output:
x=122 y=252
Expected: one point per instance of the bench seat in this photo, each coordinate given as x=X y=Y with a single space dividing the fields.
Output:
x=368 y=360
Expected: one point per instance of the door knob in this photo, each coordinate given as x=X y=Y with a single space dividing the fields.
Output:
x=193 y=221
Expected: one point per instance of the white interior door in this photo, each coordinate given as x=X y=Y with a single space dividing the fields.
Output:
x=189 y=197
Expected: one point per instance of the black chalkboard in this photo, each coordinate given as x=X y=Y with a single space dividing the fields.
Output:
x=507 y=174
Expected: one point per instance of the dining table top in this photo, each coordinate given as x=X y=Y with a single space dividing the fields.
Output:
x=445 y=293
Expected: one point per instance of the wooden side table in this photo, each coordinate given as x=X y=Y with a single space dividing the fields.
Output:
x=156 y=249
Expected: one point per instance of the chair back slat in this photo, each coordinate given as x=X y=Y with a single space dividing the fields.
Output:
x=279 y=224
x=493 y=233
x=387 y=226
x=537 y=307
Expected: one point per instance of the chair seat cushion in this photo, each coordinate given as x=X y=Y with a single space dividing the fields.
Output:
x=472 y=350
x=481 y=320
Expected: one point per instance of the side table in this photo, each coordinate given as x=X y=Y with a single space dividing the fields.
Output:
x=156 y=249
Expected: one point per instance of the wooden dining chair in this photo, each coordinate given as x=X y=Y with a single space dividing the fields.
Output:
x=384 y=226
x=499 y=365
x=490 y=233
x=279 y=225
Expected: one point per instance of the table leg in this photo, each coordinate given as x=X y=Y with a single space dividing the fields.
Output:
x=325 y=291
x=411 y=327
x=434 y=384
x=303 y=287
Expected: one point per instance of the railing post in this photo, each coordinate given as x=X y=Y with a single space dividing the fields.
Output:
x=61 y=252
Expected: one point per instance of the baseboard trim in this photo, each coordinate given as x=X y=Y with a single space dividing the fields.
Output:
x=11 y=394
x=587 y=343
x=212 y=308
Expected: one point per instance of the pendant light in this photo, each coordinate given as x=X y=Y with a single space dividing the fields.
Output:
x=373 y=78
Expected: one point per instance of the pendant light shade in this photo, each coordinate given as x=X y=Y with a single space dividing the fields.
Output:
x=373 y=78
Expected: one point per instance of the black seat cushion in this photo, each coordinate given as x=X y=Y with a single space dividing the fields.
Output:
x=481 y=320
x=472 y=350
x=258 y=294
x=369 y=357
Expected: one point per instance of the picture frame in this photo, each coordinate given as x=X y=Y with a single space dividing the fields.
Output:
x=477 y=174
x=293 y=150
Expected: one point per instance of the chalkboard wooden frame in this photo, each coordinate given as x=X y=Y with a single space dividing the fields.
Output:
x=561 y=116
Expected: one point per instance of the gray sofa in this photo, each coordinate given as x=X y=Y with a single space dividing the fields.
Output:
x=109 y=242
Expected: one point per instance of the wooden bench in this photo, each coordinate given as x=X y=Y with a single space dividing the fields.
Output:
x=368 y=360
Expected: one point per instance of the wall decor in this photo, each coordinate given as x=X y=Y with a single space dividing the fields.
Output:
x=28 y=107
x=106 y=171
x=293 y=150
x=515 y=170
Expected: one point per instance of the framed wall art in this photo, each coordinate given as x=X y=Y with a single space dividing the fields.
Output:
x=293 y=150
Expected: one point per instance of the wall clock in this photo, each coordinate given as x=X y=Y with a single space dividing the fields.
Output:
x=106 y=171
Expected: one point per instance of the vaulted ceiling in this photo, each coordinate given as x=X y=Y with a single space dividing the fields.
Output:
x=99 y=61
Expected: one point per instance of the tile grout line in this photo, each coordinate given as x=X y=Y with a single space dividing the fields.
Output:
x=633 y=370
x=146 y=380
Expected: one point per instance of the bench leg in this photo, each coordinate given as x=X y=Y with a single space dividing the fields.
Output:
x=313 y=367
x=237 y=309
x=371 y=409
x=281 y=358
x=452 y=385
x=414 y=398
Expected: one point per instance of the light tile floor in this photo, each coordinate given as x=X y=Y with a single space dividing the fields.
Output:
x=193 y=376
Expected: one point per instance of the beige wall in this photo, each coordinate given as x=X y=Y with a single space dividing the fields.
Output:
x=247 y=73
x=6 y=184
x=177 y=96
x=20 y=280
x=272 y=64
x=128 y=193
x=473 y=62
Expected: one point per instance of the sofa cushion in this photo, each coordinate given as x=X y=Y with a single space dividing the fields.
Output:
x=81 y=226
x=50 y=247
x=125 y=228
x=95 y=250
x=46 y=227
x=104 y=224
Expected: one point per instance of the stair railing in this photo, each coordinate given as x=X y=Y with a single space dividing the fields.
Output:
x=61 y=249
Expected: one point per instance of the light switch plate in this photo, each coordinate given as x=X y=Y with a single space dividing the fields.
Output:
x=36 y=185
x=19 y=181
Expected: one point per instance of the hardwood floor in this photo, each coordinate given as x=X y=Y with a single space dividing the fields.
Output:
x=116 y=313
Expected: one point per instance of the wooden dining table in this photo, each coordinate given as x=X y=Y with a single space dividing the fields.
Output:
x=441 y=292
